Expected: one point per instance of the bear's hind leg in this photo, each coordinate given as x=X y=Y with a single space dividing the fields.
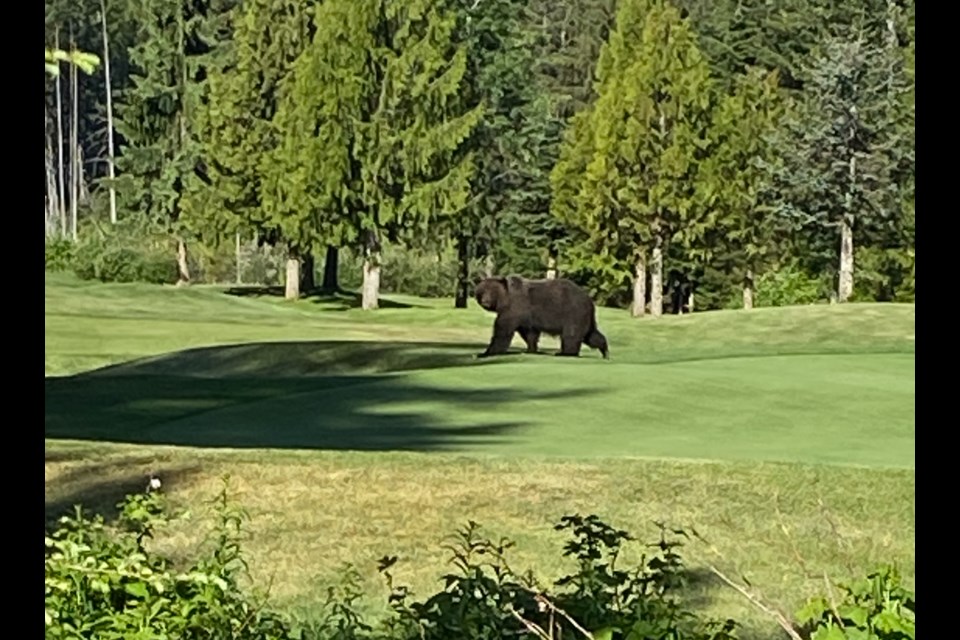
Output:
x=531 y=337
x=569 y=344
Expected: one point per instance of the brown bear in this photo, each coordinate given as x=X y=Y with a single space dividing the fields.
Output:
x=531 y=307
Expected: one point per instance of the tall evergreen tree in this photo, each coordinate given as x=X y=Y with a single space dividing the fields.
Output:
x=850 y=155
x=389 y=122
x=641 y=143
x=506 y=144
x=154 y=119
x=736 y=233
x=240 y=138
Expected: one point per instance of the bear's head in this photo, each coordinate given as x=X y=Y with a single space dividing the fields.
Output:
x=491 y=293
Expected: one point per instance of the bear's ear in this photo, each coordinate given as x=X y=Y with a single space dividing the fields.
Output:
x=501 y=280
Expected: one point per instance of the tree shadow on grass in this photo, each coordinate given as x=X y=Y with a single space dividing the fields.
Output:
x=339 y=300
x=316 y=395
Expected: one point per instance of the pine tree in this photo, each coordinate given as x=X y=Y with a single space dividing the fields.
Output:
x=240 y=137
x=508 y=182
x=646 y=132
x=388 y=122
x=850 y=153
x=153 y=118
x=736 y=233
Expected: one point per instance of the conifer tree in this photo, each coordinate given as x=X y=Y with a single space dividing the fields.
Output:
x=641 y=143
x=240 y=137
x=388 y=122
x=850 y=153
x=735 y=234
x=508 y=142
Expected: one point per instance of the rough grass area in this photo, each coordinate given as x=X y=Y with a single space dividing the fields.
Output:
x=785 y=436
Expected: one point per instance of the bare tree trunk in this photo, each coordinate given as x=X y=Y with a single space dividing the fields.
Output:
x=106 y=70
x=690 y=302
x=330 y=267
x=74 y=162
x=488 y=266
x=845 y=288
x=183 y=269
x=748 y=289
x=83 y=194
x=239 y=277
x=845 y=284
x=551 y=267
x=463 y=272
x=639 y=306
x=52 y=211
x=656 y=281
x=307 y=278
x=370 y=299
x=292 y=291
x=61 y=184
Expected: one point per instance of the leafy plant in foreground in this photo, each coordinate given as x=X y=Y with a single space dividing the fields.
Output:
x=876 y=607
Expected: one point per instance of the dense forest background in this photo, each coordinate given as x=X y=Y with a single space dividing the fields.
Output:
x=749 y=152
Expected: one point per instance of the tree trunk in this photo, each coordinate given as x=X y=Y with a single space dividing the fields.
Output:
x=639 y=306
x=307 y=278
x=551 y=267
x=74 y=163
x=330 y=265
x=292 y=289
x=690 y=302
x=656 y=282
x=748 y=289
x=370 y=299
x=62 y=184
x=239 y=277
x=106 y=71
x=183 y=269
x=53 y=203
x=845 y=288
x=845 y=284
x=488 y=266
x=463 y=272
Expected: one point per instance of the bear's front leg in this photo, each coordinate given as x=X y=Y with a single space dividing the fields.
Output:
x=503 y=331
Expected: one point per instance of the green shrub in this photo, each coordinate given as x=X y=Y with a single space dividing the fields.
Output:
x=58 y=254
x=124 y=253
x=884 y=275
x=788 y=285
x=873 y=608
x=102 y=582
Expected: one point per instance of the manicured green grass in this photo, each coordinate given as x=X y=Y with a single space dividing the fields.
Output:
x=352 y=435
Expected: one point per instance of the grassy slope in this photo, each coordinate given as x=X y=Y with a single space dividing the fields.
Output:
x=819 y=385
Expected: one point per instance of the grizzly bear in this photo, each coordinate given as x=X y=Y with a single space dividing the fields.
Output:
x=530 y=307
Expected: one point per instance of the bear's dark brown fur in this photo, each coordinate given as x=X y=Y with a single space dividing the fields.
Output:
x=531 y=307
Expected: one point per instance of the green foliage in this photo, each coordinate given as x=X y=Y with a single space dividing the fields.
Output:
x=58 y=254
x=850 y=142
x=736 y=234
x=640 y=143
x=125 y=252
x=86 y=62
x=876 y=607
x=885 y=275
x=788 y=285
x=486 y=599
x=103 y=581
